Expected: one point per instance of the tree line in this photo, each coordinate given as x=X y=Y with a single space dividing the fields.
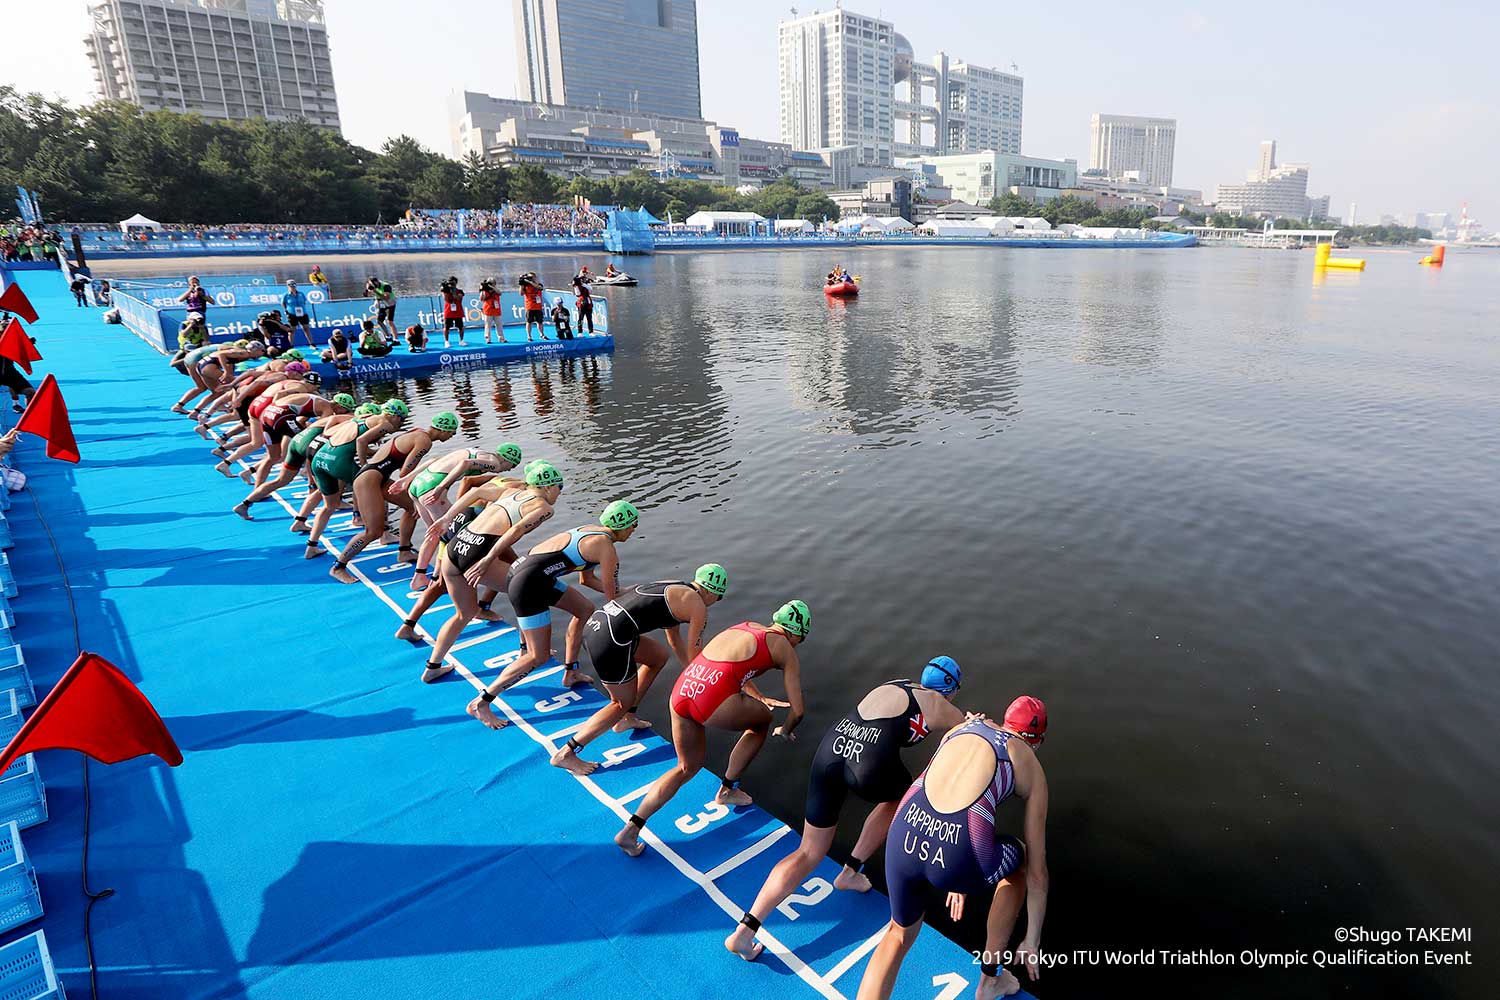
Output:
x=108 y=160
x=1070 y=210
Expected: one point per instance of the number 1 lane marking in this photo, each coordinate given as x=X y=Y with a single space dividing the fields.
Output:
x=823 y=986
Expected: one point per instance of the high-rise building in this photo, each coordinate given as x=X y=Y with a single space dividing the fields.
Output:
x=223 y=59
x=1272 y=190
x=1121 y=145
x=837 y=77
x=636 y=56
x=971 y=108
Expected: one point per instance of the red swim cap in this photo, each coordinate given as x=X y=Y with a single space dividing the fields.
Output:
x=1027 y=717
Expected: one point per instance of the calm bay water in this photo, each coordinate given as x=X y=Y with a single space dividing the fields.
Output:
x=1234 y=524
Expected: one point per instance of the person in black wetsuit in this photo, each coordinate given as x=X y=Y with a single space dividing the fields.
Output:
x=626 y=659
x=860 y=754
x=946 y=829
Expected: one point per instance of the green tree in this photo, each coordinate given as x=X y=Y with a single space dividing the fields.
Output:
x=1012 y=205
x=484 y=183
x=816 y=207
x=529 y=183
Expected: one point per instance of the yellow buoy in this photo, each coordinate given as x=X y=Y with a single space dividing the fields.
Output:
x=1435 y=259
x=1323 y=257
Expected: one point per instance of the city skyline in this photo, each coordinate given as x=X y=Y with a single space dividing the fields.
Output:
x=1393 y=148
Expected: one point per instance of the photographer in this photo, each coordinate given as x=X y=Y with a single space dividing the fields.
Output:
x=384 y=304
x=489 y=308
x=453 y=310
x=562 y=321
x=532 y=291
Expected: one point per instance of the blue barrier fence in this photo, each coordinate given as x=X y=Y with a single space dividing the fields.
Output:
x=158 y=326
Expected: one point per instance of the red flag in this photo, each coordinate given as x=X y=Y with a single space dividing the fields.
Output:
x=14 y=344
x=15 y=301
x=95 y=710
x=46 y=416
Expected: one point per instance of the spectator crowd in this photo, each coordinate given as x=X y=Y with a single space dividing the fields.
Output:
x=551 y=220
x=22 y=242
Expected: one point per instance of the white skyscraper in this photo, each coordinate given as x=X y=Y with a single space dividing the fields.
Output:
x=837 y=76
x=1124 y=144
x=1276 y=191
x=223 y=59
x=637 y=56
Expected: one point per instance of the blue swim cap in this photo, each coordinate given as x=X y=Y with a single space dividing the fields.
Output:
x=942 y=674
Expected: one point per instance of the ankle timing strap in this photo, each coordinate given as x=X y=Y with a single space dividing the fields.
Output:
x=487 y=697
x=730 y=786
x=857 y=866
x=991 y=969
x=637 y=822
x=750 y=921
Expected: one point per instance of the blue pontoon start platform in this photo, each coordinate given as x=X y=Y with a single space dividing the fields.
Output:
x=338 y=828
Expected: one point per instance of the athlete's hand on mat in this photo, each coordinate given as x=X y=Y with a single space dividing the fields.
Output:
x=1026 y=954
x=956 y=906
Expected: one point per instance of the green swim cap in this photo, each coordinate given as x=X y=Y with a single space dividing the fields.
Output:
x=543 y=474
x=510 y=452
x=345 y=400
x=367 y=410
x=713 y=578
x=395 y=408
x=620 y=515
x=292 y=355
x=794 y=617
x=445 y=421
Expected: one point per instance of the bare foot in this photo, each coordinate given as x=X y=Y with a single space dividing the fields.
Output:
x=406 y=557
x=219 y=453
x=742 y=943
x=178 y=408
x=223 y=469
x=406 y=632
x=202 y=431
x=732 y=797
x=572 y=678
x=629 y=841
x=570 y=762
x=341 y=574
x=243 y=510
x=389 y=538
x=299 y=527
x=480 y=710
x=1003 y=985
x=431 y=673
x=313 y=551
x=851 y=880
x=630 y=722
x=248 y=476
x=486 y=614
x=419 y=581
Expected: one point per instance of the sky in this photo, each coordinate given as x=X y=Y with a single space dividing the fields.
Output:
x=1393 y=107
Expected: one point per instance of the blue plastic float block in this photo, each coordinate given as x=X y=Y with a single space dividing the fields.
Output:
x=20 y=902
x=26 y=971
x=22 y=797
x=15 y=678
x=10 y=717
x=6 y=541
x=4 y=498
x=7 y=578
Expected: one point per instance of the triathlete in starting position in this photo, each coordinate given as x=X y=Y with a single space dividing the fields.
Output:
x=860 y=754
x=944 y=837
x=535 y=586
x=397 y=456
x=481 y=552
x=626 y=659
x=427 y=489
x=297 y=452
x=717 y=689
x=336 y=464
